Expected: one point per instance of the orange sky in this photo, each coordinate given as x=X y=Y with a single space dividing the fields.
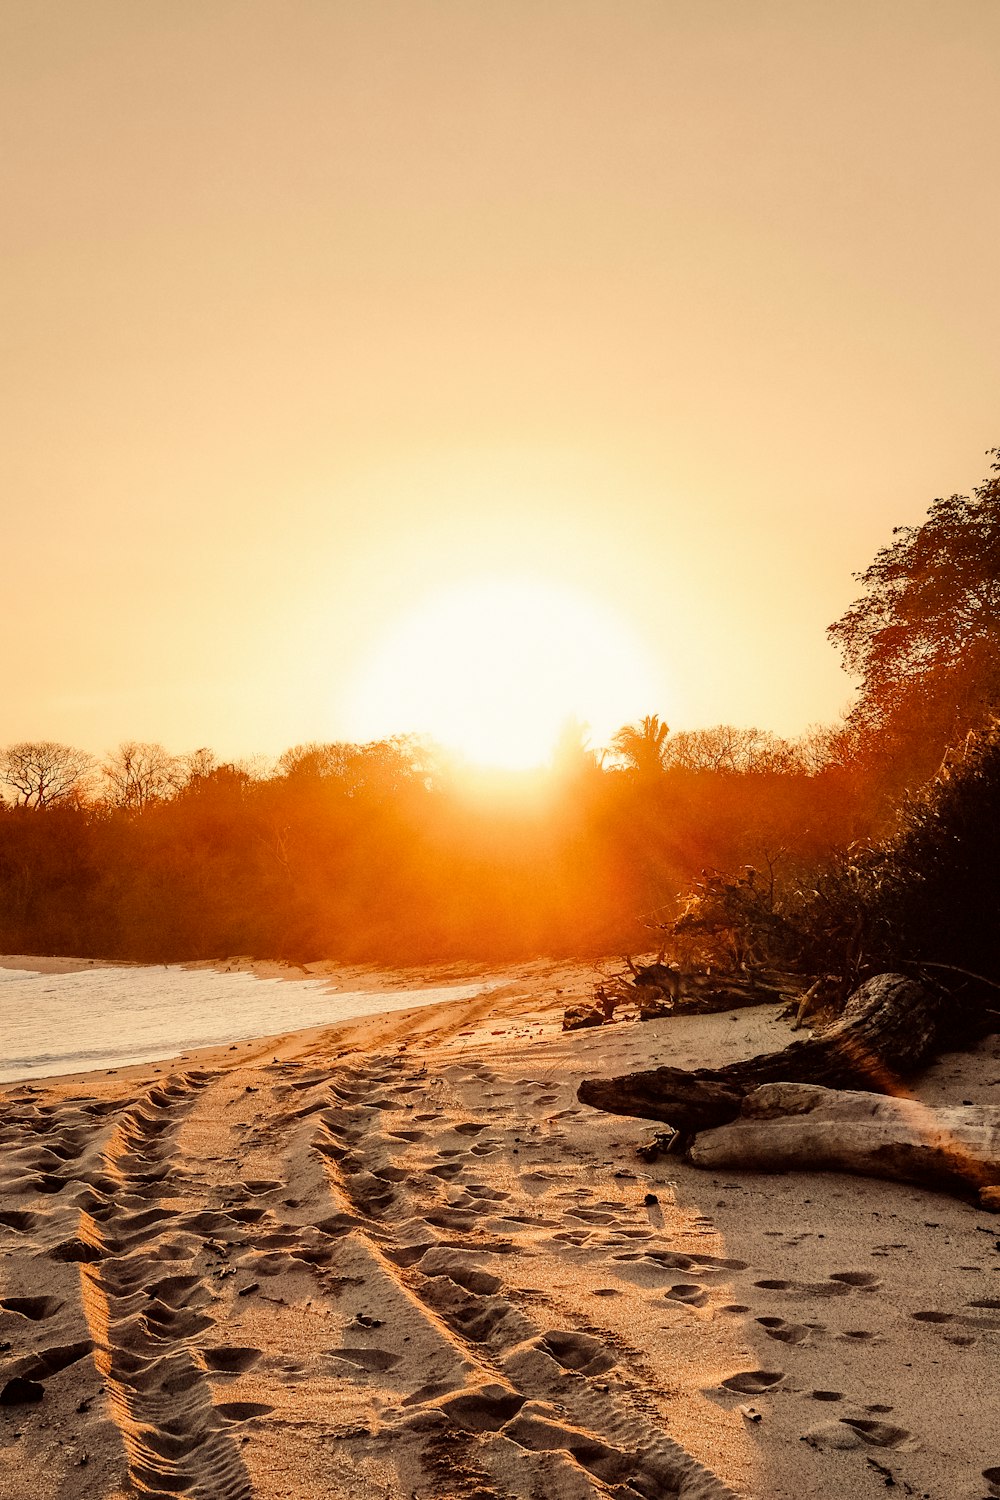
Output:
x=313 y=310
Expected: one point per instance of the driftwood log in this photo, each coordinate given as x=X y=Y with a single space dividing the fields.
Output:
x=692 y=993
x=659 y=990
x=889 y=1028
x=785 y=1127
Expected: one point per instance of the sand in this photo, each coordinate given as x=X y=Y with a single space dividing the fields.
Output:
x=398 y=1259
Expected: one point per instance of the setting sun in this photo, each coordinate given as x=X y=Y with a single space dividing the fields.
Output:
x=493 y=668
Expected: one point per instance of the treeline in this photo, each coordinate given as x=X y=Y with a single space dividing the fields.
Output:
x=871 y=839
x=385 y=852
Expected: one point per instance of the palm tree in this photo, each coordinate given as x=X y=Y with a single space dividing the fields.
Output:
x=642 y=747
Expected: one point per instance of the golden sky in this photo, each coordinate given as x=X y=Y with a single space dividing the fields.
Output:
x=648 y=319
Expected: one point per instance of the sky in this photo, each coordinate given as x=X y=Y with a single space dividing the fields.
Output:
x=369 y=358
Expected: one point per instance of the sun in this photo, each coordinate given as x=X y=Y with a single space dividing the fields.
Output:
x=492 y=668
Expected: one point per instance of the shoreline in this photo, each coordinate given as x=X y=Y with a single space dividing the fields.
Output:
x=437 y=1273
x=334 y=979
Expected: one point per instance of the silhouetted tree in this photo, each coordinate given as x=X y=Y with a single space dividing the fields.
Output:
x=43 y=772
x=728 y=747
x=197 y=766
x=316 y=759
x=924 y=637
x=137 y=774
x=642 y=747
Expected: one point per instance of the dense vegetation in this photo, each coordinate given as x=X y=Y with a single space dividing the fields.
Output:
x=853 y=848
x=923 y=887
x=383 y=852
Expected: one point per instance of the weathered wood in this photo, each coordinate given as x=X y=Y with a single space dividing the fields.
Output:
x=692 y=993
x=658 y=991
x=889 y=1028
x=786 y=1127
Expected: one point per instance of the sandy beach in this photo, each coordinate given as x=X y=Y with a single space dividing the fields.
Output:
x=397 y=1258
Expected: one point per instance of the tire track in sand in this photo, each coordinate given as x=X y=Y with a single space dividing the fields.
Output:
x=524 y=1409
x=143 y=1299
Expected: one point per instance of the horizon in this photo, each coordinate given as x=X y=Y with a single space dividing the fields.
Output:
x=263 y=763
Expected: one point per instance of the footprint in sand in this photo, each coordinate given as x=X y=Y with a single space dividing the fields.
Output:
x=753 y=1382
x=459 y=1268
x=577 y=1351
x=242 y=1411
x=44 y=1363
x=856 y=1432
x=163 y=1322
x=668 y=1260
x=837 y=1285
x=429 y=1392
x=247 y=1215
x=176 y=1291
x=20 y=1220
x=785 y=1333
x=718 y=1263
x=376 y=1361
x=33 y=1308
x=486 y=1194
x=485 y=1410
x=230 y=1361
x=75 y=1251
x=690 y=1294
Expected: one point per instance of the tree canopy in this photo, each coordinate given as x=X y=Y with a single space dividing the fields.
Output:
x=42 y=772
x=642 y=747
x=927 y=626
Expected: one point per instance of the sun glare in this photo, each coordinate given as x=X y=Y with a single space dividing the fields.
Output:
x=494 y=667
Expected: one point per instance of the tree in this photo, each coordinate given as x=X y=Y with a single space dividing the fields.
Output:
x=924 y=637
x=316 y=760
x=380 y=767
x=730 y=748
x=136 y=774
x=43 y=772
x=642 y=747
x=199 y=765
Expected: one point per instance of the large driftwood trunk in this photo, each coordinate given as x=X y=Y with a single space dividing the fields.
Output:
x=888 y=1029
x=786 y=1127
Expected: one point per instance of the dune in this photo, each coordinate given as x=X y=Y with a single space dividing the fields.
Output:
x=396 y=1257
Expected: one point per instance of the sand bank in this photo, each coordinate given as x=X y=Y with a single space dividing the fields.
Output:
x=397 y=1258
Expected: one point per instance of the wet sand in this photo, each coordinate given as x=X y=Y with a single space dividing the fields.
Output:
x=398 y=1258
